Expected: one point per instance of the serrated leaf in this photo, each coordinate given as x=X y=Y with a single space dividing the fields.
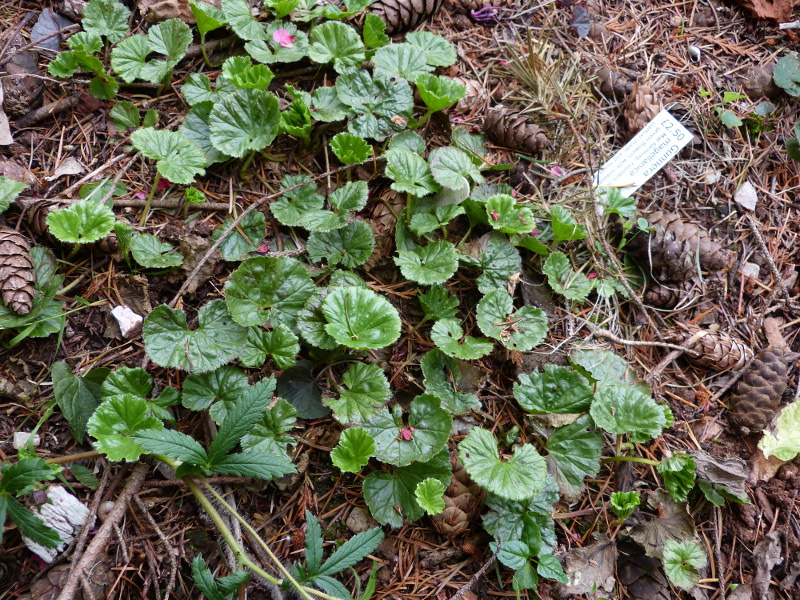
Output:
x=204 y=580
x=565 y=227
x=21 y=477
x=350 y=149
x=507 y=216
x=311 y=322
x=9 y=190
x=521 y=330
x=624 y=503
x=195 y=128
x=291 y=208
x=237 y=14
x=268 y=288
x=313 y=544
x=170 y=38
x=383 y=491
x=30 y=525
x=242 y=415
x=150 y=252
x=359 y=318
x=682 y=560
x=408 y=140
x=225 y=383
x=374 y=31
x=438 y=51
x=171 y=443
x=409 y=173
x=449 y=379
x=514 y=554
x=243 y=74
x=473 y=145
x=170 y=343
x=77 y=397
x=275 y=49
x=452 y=167
x=177 y=159
x=678 y=472
x=337 y=43
x=114 y=423
x=617 y=204
x=556 y=390
x=261 y=465
x=352 y=551
x=576 y=451
x=429 y=494
x=437 y=303
x=326 y=105
x=279 y=343
x=108 y=18
x=125 y=114
x=242 y=239
x=82 y=222
x=499 y=260
x=627 y=409
x=521 y=477
x=244 y=121
x=349 y=246
x=404 y=61
x=270 y=434
x=425 y=434
x=603 y=366
x=438 y=92
x=565 y=281
x=208 y=17
x=364 y=391
x=299 y=386
x=354 y=450
x=435 y=263
x=449 y=337
x=84 y=41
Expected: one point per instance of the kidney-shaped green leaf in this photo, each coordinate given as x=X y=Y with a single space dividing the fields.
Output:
x=520 y=330
x=359 y=318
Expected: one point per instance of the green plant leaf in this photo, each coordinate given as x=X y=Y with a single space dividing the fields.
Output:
x=565 y=227
x=125 y=380
x=514 y=554
x=353 y=451
x=85 y=42
x=499 y=260
x=82 y=222
x=326 y=105
x=170 y=343
x=243 y=74
x=678 y=472
x=337 y=43
x=235 y=245
x=453 y=168
x=350 y=149
x=429 y=495
x=242 y=415
x=296 y=120
x=409 y=173
x=549 y=567
x=624 y=503
x=617 y=204
x=520 y=330
x=270 y=434
x=299 y=386
x=449 y=337
x=77 y=397
x=204 y=581
x=435 y=263
x=359 y=318
x=280 y=343
x=30 y=525
x=260 y=465
x=390 y=495
x=195 y=128
x=284 y=44
x=439 y=93
x=208 y=17
x=565 y=281
x=295 y=203
x=237 y=14
x=520 y=477
x=244 y=121
x=313 y=544
x=603 y=366
x=628 y=409
x=473 y=145
x=784 y=441
x=349 y=246
x=125 y=114
x=449 y=379
x=438 y=51
x=45 y=310
x=404 y=61
x=311 y=322
x=507 y=216
x=97 y=190
x=114 y=423
x=150 y=252
x=352 y=551
x=225 y=383
x=171 y=443
x=108 y=18
x=9 y=190
x=20 y=478
x=170 y=38
x=576 y=451
x=556 y=390
x=364 y=392
x=682 y=560
x=177 y=158
x=437 y=303
x=374 y=31
x=408 y=140
x=268 y=288
x=730 y=119
x=786 y=74
x=425 y=434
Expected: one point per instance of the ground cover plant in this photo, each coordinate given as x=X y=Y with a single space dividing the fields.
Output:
x=312 y=311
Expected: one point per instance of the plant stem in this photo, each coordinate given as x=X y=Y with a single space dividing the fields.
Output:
x=146 y=209
x=62 y=460
x=635 y=459
x=203 y=50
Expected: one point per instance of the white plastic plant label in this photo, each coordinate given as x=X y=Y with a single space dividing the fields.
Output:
x=645 y=155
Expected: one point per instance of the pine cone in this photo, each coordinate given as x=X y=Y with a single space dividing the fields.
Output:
x=668 y=296
x=759 y=391
x=402 y=15
x=476 y=95
x=641 y=107
x=469 y=5
x=672 y=250
x=16 y=271
x=462 y=500
x=509 y=128
x=716 y=350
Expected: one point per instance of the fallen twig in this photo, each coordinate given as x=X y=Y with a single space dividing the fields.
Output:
x=41 y=113
x=618 y=340
x=478 y=574
x=762 y=245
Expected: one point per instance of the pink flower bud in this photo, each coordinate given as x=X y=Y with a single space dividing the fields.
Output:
x=494 y=215
x=283 y=38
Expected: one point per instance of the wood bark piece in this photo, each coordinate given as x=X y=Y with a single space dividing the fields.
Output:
x=715 y=350
x=674 y=248
x=402 y=15
x=758 y=395
x=511 y=129
x=16 y=271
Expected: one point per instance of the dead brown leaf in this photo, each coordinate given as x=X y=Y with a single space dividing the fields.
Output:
x=776 y=10
x=156 y=11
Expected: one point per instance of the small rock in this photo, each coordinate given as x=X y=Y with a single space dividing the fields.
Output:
x=360 y=520
x=130 y=324
x=750 y=270
x=746 y=196
x=21 y=438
